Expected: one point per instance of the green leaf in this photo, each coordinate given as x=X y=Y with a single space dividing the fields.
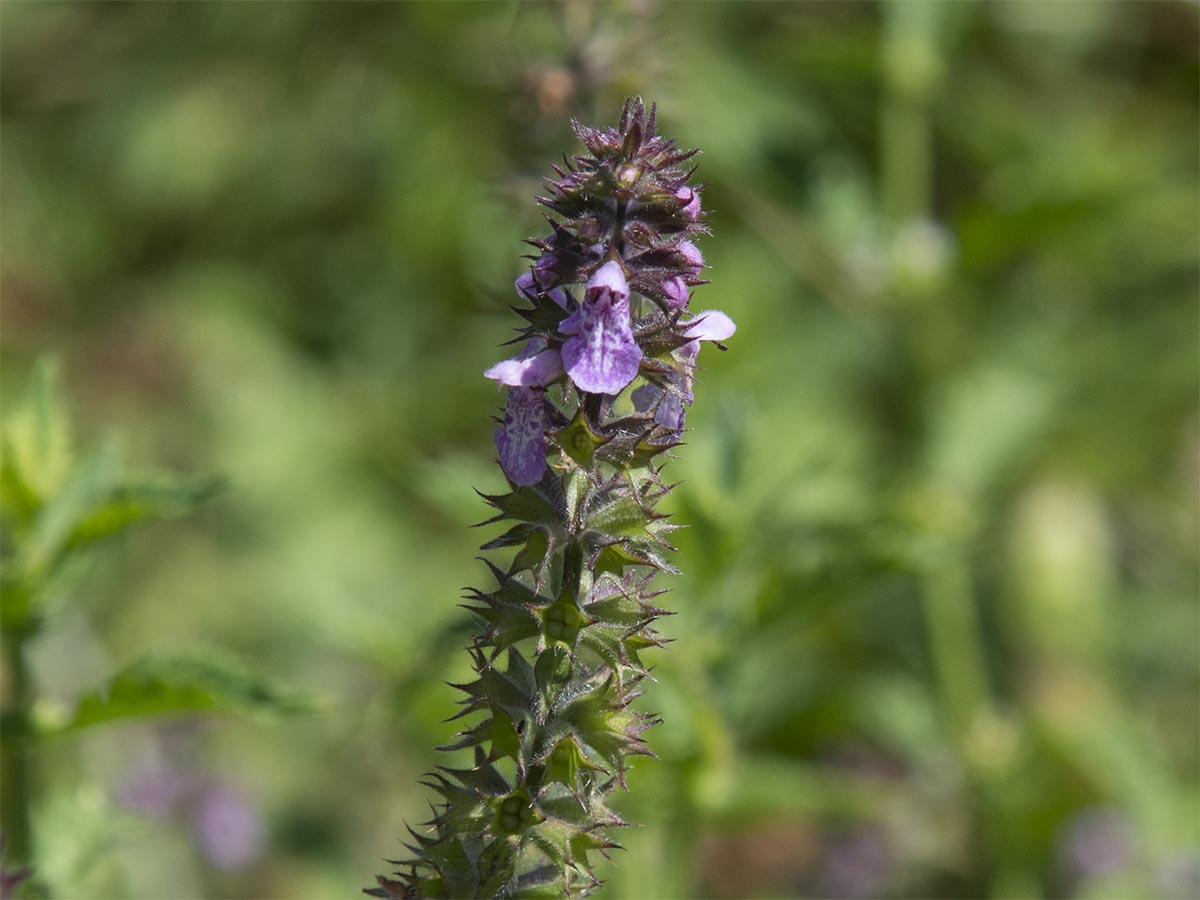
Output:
x=539 y=505
x=37 y=444
x=621 y=515
x=172 y=683
x=153 y=496
x=89 y=484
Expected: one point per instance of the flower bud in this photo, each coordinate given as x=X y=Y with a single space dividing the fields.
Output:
x=676 y=291
x=691 y=255
x=691 y=203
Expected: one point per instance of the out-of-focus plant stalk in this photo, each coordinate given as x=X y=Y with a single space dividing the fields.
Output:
x=14 y=753
x=912 y=73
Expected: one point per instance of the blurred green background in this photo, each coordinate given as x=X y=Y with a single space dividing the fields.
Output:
x=938 y=631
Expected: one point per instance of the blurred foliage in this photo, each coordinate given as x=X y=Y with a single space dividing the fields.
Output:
x=938 y=632
x=57 y=509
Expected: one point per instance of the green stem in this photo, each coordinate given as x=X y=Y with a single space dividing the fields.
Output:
x=14 y=755
x=958 y=657
x=910 y=77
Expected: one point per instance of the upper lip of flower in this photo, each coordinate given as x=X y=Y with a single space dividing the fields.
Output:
x=537 y=365
x=600 y=354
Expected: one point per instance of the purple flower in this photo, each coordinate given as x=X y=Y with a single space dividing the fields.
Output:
x=676 y=291
x=527 y=288
x=229 y=829
x=543 y=270
x=710 y=325
x=521 y=441
x=157 y=791
x=535 y=366
x=669 y=412
x=691 y=203
x=691 y=255
x=600 y=355
x=1097 y=842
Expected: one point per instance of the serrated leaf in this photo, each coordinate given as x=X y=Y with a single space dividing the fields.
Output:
x=185 y=682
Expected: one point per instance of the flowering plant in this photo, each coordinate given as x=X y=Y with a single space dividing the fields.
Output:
x=606 y=304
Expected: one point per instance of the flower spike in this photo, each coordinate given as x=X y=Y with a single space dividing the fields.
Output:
x=551 y=725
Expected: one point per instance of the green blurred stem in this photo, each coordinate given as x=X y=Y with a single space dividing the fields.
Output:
x=954 y=645
x=911 y=72
x=905 y=159
x=14 y=754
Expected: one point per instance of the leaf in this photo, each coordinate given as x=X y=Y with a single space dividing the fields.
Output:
x=154 y=496
x=166 y=683
x=36 y=445
x=89 y=483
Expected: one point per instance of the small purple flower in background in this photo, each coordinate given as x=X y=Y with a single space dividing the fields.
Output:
x=157 y=790
x=1096 y=842
x=691 y=203
x=600 y=355
x=228 y=828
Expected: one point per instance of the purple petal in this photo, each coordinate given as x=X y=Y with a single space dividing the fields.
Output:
x=543 y=270
x=667 y=405
x=526 y=287
x=676 y=291
x=601 y=356
x=524 y=370
x=670 y=413
x=710 y=325
x=572 y=324
x=691 y=255
x=521 y=443
x=608 y=279
x=646 y=396
x=691 y=203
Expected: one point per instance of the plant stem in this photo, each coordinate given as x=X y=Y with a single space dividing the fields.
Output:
x=14 y=754
x=958 y=657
